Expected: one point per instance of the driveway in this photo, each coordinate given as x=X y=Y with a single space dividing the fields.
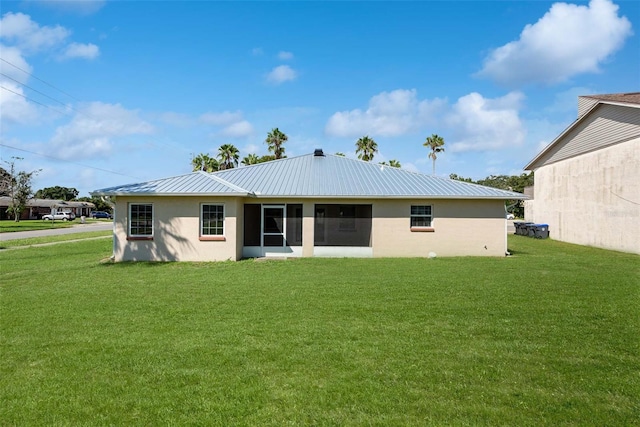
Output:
x=77 y=228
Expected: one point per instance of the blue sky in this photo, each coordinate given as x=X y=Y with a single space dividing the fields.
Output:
x=100 y=93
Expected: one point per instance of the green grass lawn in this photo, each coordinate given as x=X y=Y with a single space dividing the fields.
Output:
x=549 y=336
x=8 y=226
x=30 y=241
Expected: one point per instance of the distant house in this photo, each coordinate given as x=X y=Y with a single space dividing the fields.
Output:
x=37 y=207
x=312 y=205
x=587 y=181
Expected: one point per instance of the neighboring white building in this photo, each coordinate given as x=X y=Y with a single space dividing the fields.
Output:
x=313 y=205
x=587 y=181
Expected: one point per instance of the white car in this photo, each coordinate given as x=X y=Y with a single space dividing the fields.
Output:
x=61 y=216
x=510 y=216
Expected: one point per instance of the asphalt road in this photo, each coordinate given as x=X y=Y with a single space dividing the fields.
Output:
x=77 y=228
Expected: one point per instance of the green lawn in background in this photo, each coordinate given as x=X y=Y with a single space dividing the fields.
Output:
x=30 y=241
x=548 y=336
x=8 y=226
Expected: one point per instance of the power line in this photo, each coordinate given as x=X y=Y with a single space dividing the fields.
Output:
x=33 y=100
x=37 y=78
x=43 y=94
x=35 y=90
x=68 y=161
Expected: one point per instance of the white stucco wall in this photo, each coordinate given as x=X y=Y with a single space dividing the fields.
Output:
x=592 y=199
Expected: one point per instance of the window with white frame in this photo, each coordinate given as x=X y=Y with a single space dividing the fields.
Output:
x=421 y=216
x=141 y=219
x=211 y=220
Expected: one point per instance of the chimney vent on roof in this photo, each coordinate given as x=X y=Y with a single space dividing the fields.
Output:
x=318 y=152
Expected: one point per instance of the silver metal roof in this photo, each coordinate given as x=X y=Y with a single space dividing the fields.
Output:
x=327 y=176
x=195 y=183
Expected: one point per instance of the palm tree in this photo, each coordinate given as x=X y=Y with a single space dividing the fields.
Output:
x=436 y=145
x=251 y=159
x=228 y=155
x=392 y=163
x=340 y=154
x=204 y=162
x=366 y=148
x=275 y=140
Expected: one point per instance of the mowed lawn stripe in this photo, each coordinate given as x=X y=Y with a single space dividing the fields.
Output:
x=547 y=336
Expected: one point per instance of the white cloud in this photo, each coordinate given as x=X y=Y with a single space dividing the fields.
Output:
x=389 y=114
x=19 y=32
x=233 y=123
x=285 y=56
x=281 y=74
x=93 y=133
x=27 y=35
x=238 y=130
x=250 y=149
x=568 y=40
x=13 y=105
x=479 y=123
x=15 y=64
x=80 y=50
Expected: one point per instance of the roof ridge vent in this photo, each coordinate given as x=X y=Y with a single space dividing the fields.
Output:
x=318 y=152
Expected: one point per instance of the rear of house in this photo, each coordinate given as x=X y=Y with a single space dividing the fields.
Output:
x=315 y=205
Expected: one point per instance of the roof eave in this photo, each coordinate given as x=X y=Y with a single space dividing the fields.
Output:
x=531 y=165
x=154 y=194
x=397 y=197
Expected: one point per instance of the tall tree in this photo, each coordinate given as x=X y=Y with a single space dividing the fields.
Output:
x=250 y=159
x=266 y=158
x=57 y=193
x=275 y=141
x=515 y=183
x=5 y=179
x=17 y=185
x=436 y=144
x=393 y=163
x=366 y=148
x=228 y=156
x=101 y=205
x=204 y=162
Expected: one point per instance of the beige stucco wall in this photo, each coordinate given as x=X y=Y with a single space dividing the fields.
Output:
x=592 y=199
x=460 y=228
x=176 y=231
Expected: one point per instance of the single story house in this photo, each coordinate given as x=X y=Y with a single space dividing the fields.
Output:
x=312 y=205
x=36 y=208
x=587 y=180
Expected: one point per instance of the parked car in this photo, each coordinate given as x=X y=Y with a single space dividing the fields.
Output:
x=100 y=214
x=510 y=216
x=60 y=216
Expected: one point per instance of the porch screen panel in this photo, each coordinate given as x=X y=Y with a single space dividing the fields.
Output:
x=294 y=225
x=252 y=224
x=342 y=225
